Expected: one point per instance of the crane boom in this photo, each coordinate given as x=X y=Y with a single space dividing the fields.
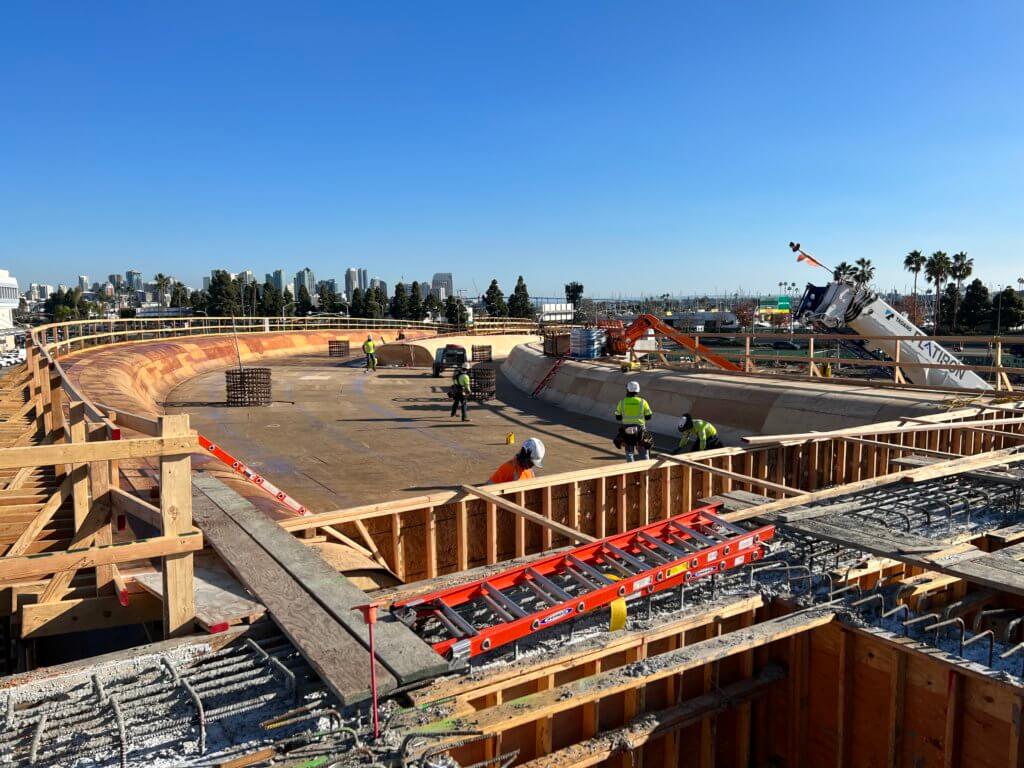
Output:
x=644 y=323
x=839 y=304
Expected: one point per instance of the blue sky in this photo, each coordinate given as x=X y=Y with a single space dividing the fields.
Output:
x=635 y=147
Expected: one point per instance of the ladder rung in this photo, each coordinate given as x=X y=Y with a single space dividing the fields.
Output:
x=550 y=586
x=640 y=565
x=725 y=524
x=620 y=567
x=581 y=579
x=653 y=551
x=589 y=570
x=468 y=630
x=689 y=546
x=705 y=540
x=543 y=596
x=506 y=602
x=500 y=612
x=453 y=630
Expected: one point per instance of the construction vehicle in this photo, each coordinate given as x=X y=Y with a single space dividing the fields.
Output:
x=448 y=356
x=838 y=305
x=646 y=326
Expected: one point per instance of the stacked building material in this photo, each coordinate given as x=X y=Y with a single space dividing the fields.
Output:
x=587 y=342
x=338 y=348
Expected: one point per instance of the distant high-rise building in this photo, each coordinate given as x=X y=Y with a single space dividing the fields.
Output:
x=83 y=282
x=133 y=280
x=278 y=280
x=363 y=282
x=206 y=282
x=305 y=277
x=246 y=277
x=376 y=282
x=442 y=286
x=331 y=285
x=352 y=282
x=115 y=280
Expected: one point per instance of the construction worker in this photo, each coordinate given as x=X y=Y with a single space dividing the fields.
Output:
x=520 y=466
x=461 y=390
x=634 y=413
x=697 y=435
x=370 y=350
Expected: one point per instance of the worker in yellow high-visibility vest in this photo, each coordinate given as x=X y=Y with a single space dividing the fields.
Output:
x=697 y=435
x=634 y=412
x=370 y=350
x=461 y=390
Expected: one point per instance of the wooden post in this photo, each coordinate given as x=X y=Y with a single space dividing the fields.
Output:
x=747 y=366
x=176 y=516
x=99 y=488
x=430 y=530
x=545 y=505
x=492 y=532
x=897 y=372
x=80 y=489
x=461 y=536
x=954 y=715
x=396 y=546
x=897 y=683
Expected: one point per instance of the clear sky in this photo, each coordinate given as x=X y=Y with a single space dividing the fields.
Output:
x=636 y=147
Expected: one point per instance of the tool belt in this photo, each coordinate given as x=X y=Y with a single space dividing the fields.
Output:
x=456 y=392
x=633 y=435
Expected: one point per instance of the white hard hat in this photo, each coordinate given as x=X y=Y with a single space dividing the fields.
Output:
x=633 y=387
x=534 y=448
x=465 y=366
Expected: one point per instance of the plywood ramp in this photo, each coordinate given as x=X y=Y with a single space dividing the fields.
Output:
x=312 y=604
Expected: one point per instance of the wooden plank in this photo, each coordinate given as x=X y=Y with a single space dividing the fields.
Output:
x=176 y=517
x=897 y=688
x=954 y=716
x=461 y=536
x=42 y=564
x=783 y=489
x=47 y=619
x=527 y=514
x=99 y=487
x=334 y=654
x=623 y=679
x=51 y=455
x=219 y=599
x=43 y=516
x=646 y=728
x=130 y=504
x=406 y=655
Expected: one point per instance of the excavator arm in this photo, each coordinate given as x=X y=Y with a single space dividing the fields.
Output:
x=644 y=323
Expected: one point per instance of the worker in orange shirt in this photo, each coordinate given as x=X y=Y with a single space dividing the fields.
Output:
x=520 y=466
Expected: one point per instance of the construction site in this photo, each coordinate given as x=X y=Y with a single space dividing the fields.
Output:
x=226 y=542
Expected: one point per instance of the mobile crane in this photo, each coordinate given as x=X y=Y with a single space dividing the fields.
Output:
x=837 y=305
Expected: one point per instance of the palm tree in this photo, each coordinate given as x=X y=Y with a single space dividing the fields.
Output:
x=936 y=269
x=914 y=262
x=864 y=273
x=162 y=282
x=843 y=273
x=960 y=270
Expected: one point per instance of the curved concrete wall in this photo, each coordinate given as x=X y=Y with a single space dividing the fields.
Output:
x=137 y=377
x=420 y=353
x=738 y=405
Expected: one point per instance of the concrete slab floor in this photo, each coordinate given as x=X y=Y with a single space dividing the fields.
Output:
x=338 y=437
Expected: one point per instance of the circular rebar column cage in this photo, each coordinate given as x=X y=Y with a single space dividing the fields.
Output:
x=483 y=382
x=482 y=353
x=247 y=386
x=338 y=348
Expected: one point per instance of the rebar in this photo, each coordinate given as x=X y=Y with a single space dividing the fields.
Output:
x=956 y=621
x=122 y=735
x=1016 y=649
x=37 y=739
x=917 y=620
x=980 y=636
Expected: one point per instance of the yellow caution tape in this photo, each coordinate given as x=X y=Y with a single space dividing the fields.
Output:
x=618 y=618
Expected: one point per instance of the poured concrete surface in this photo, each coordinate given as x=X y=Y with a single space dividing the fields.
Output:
x=336 y=436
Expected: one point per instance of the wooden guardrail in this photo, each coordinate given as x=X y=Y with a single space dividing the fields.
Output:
x=73 y=473
x=447 y=532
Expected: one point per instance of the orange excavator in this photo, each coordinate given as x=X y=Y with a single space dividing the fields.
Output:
x=643 y=324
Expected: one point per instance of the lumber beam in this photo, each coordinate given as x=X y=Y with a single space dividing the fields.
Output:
x=523 y=512
x=755 y=481
x=587 y=690
x=643 y=729
x=44 y=563
x=43 y=516
x=176 y=518
x=52 y=455
x=46 y=619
